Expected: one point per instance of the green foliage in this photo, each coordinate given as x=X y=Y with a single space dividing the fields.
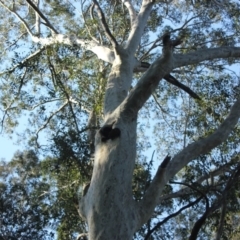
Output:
x=39 y=198
x=23 y=211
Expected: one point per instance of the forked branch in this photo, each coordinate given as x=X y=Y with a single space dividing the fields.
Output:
x=37 y=10
x=105 y=25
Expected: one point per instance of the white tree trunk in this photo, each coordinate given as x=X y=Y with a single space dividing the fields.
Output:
x=108 y=205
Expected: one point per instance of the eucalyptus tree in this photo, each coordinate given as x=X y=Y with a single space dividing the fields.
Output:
x=81 y=65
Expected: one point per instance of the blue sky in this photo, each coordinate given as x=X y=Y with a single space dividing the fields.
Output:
x=8 y=148
x=10 y=143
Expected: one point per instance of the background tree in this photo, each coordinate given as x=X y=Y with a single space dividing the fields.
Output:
x=72 y=67
x=23 y=212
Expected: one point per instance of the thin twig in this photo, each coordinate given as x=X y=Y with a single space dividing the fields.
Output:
x=48 y=120
x=19 y=17
x=23 y=62
x=11 y=103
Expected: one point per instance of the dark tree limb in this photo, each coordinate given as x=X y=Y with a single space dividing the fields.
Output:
x=105 y=25
x=169 y=78
x=233 y=179
x=209 y=210
x=165 y=161
x=201 y=220
x=222 y=219
x=197 y=226
x=35 y=8
x=166 y=40
x=159 y=224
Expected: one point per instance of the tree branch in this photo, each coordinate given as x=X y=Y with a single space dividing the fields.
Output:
x=131 y=10
x=155 y=43
x=223 y=201
x=199 y=223
x=105 y=25
x=201 y=55
x=86 y=25
x=158 y=104
x=159 y=224
x=222 y=218
x=103 y=53
x=14 y=42
x=185 y=191
x=19 y=18
x=36 y=9
x=37 y=17
x=148 y=82
x=49 y=118
x=138 y=26
x=197 y=226
x=150 y=198
x=205 y=145
x=58 y=83
x=209 y=210
x=169 y=78
x=14 y=99
x=24 y=62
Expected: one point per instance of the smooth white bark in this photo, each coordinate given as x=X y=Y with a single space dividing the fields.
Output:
x=139 y=25
x=131 y=10
x=205 y=54
x=205 y=145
